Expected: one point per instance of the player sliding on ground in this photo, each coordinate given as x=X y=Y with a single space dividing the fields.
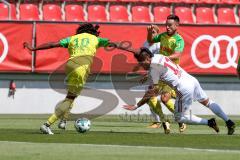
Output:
x=186 y=86
x=172 y=45
x=82 y=48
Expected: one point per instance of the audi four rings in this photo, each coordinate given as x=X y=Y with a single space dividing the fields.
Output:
x=5 y=47
x=215 y=56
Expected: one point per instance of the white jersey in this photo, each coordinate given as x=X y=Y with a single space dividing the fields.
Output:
x=187 y=87
x=163 y=69
x=154 y=48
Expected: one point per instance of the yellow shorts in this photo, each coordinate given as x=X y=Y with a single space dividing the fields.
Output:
x=164 y=88
x=76 y=76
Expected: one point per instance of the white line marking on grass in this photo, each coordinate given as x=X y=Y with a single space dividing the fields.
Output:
x=129 y=146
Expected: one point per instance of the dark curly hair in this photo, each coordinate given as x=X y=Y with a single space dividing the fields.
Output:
x=143 y=53
x=88 y=28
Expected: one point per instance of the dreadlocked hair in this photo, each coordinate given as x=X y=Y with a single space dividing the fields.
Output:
x=88 y=28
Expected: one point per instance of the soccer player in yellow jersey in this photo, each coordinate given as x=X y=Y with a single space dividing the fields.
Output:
x=172 y=45
x=82 y=48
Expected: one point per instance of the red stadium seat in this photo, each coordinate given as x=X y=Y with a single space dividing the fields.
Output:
x=160 y=13
x=140 y=14
x=188 y=1
x=96 y=12
x=106 y=0
x=226 y=16
x=231 y=1
x=184 y=13
x=25 y=9
x=210 y=1
x=150 y=0
x=74 y=12
x=4 y=11
x=118 y=13
x=128 y=0
x=239 y=14
x=52 y=12
x=204 y=15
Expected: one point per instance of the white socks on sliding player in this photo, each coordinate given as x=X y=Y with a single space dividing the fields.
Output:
x=215 y=108
x=192 y=119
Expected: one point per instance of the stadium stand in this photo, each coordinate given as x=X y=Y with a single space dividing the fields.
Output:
x=231 y=1
x=140 y=13
x=239 y=15
x=204 y=15
x=25 y=9
x=96 y=13
x=128 y=0
x=118 y=13
x=52 y=12
x=184 y=13
x=188 y=1
x=150 y=0
x=226 y=15
x=134 y=11
x=74 y=12
x=4 y=12
x=160 y=13
x=210 y=1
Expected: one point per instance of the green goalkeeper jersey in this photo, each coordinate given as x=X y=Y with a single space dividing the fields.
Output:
x=169 y=44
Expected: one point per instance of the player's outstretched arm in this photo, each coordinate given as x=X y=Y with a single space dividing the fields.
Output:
x=42 y=46
x=121 y=47
x=152 y=91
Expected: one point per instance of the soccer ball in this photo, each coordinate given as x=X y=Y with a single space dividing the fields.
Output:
x=82 y=125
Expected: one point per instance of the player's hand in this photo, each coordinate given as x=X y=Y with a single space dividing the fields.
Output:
x=28 y=46
x=155 y=29
x=150 y=29
x=130 y=107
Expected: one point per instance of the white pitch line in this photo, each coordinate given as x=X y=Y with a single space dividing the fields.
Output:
x=129 y=146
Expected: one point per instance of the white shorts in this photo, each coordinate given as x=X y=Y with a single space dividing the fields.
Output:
x=188 y=91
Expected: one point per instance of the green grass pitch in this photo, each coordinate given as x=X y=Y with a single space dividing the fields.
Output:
x=112 y=138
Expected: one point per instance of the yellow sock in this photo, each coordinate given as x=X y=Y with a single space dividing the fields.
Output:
x=63 y=107
x=53 y=118
x=170 y=105
x=67 y=112
x=156 y=107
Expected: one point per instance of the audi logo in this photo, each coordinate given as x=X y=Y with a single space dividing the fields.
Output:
x=5 y=47
x=215 y=56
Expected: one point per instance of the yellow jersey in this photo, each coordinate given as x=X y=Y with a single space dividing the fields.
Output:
x=83 y=44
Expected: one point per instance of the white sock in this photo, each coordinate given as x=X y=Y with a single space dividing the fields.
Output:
x=215 y=108
x=155 y=116
x=192 y=119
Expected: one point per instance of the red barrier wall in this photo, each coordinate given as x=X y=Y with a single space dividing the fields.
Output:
x=208 y=49
x=13 y=58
